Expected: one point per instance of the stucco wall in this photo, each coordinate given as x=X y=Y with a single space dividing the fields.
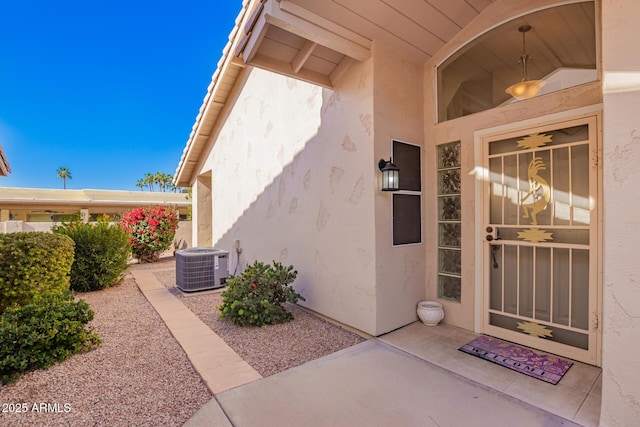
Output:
x=400 y=270
x=621 y=73
x=293 y=180
x=183 y=235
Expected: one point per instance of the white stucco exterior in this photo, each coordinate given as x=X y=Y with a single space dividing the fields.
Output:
x=291 y=173
x=295 y=180
x=621 y=154
x=292 y=190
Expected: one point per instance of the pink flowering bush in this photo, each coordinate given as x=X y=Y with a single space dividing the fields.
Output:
x=151 y=230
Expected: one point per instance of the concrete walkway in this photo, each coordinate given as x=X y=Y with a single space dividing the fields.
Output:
x=372 y=383
x=219 y=366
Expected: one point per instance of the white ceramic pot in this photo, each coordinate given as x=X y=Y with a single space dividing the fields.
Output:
x=430 y=312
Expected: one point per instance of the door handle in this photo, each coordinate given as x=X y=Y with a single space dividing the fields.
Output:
x=492 y=233
x=491 y=236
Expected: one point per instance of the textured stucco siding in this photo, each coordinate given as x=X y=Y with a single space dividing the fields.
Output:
x=621 y=159
x=293 y=180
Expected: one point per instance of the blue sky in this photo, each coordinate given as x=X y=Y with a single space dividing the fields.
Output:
x=107 y=89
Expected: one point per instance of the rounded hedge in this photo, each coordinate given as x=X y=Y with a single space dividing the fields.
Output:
x=32 y=264
x=46 y=331
x=101 y=254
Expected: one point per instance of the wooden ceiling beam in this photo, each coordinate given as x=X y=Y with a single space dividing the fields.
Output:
x=305 y=52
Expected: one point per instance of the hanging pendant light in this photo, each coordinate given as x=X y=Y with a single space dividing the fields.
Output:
x=526 y=88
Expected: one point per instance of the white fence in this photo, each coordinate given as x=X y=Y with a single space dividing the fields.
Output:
x=183 y=233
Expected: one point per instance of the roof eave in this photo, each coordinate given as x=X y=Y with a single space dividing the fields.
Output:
x=5 y=169
x=183 y=176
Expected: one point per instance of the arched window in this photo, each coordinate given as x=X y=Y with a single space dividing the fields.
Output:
x=560 y=48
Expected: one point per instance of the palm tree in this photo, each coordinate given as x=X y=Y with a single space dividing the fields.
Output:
x=170 y=185
x=150 y=179
x=159 y=179
x=65 y=174
x=165 y=181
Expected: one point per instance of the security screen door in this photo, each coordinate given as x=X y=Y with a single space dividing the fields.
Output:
x=540 y=238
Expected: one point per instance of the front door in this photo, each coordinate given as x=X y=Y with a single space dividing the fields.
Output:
x=540 y=254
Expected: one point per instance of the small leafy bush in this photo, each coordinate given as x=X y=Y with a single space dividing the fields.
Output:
x=31 y=264
x=101 y=254
x=256 y=297
x=48 y=330
x=151 y=230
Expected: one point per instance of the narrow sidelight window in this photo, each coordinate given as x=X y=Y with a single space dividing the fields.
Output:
x=449 y=222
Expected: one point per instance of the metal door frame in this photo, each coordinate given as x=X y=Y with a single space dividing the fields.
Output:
x=481 y=174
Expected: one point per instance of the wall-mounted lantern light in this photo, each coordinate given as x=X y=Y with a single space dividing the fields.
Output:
x=390 y=175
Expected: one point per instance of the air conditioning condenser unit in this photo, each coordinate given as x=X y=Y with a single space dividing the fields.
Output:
x=203 y=268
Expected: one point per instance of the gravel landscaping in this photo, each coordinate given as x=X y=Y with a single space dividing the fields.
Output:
x=140 y=376
x=273 y=348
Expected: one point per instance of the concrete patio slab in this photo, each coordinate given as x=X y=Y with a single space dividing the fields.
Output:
x=375 y=384
x=210 y=415
x=573 y=397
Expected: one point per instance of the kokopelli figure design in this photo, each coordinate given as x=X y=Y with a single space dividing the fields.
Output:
x=539 y=190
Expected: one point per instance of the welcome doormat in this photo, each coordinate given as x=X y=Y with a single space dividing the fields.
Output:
x=542 y=366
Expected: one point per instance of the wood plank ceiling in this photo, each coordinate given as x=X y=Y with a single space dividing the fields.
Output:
x=316 y=40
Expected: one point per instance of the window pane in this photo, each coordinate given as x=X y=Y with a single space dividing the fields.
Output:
x=561 y=197
x=510 y=262
x=449 y=208
x=449 y=156
x=449 y=288
x=561 y=285
x=450 y=261
x=525 y=276
x=580 y=289
x=475 y=77
x=496 y=196
x=449 y=181
x=407 y=158
x=543 y=284
x=450 y=234
x=406 y=219
x=580 y=185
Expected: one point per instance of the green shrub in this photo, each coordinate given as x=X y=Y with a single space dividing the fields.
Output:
x=32 y=264
x=256 y=297
x=101 y=254
x=48 y=330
